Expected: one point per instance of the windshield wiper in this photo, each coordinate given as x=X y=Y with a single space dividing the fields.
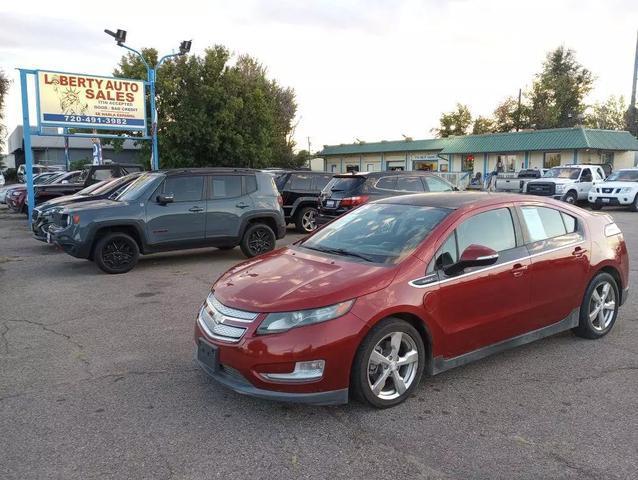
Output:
x=341 y=251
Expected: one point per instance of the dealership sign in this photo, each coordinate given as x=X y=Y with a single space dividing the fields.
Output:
x=87 y=101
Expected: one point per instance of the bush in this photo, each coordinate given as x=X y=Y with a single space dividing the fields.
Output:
x=78 y=164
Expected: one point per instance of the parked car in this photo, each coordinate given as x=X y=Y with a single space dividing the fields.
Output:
x=36 y=179
x=349 y=190
x=43 y=214
x=619 y=189
x=404 y=286
x=90 y=175
x=173 y=210
x=300 y=193
x=17 y=198
x=2 y=179
x=516 y=182
x=36 y=169
x=569 y=183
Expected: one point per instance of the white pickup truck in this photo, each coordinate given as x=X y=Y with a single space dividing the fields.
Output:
x=569 y=183
x=515 y=182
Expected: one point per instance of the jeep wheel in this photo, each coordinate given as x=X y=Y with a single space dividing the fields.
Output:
x=258 y=239
x=571 y=197
x=116 y=253
x=306 y=220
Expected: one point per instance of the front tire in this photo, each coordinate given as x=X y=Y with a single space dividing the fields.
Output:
x=306 y=220
x=571 y=197
x=596 y=206
x=599 y=309
x=257 y=240
x=116 y=253
x=388 y=364
x=634 y=205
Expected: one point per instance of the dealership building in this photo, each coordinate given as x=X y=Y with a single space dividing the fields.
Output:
x=480 y=153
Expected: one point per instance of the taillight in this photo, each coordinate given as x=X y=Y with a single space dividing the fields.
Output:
x=354 y=201
x=280 y=200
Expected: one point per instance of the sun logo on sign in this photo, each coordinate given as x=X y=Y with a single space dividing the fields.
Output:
x=71 y=103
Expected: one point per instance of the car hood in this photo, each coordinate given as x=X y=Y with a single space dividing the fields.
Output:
x=59 y=201
x=632 y=185
x=93 y=205
x=295 y=279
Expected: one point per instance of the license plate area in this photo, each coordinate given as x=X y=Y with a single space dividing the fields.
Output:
x=605 y=200
x=208 y=355
x=331 y=203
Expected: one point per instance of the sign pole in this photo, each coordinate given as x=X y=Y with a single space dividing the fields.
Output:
x=154 y=146
x=26 y=136
x=67 y=160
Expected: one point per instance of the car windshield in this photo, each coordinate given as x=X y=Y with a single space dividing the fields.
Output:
x=565 y=172
x=380 y=233
x=343 y=184
x=106 y=186
x=52 y=179
x=623 y=176
x=135 y=188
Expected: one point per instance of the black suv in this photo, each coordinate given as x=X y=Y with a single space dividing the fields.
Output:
x=300 y=192
x=173 y=210
x=348 y=190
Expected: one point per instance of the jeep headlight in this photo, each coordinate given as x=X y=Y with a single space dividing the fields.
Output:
x=284 y=321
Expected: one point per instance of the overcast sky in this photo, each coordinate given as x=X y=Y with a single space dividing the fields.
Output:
x=368 y=70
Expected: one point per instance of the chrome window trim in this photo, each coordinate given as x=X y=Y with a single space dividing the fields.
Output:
x=415 y=283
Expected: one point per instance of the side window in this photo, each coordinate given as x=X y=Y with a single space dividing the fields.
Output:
x=446 y=255
x=435 y=184
x=102 y=174
x=320 y=181
x=409 y=184
x=301 y=182
x=543 y=223
x=184 y=189
x=570 y=222
x=225 y=186
x=585 y=175
x=251 y=183
x=387 y=183
x=493 y=229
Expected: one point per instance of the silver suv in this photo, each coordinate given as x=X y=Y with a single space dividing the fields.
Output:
x=173 y=210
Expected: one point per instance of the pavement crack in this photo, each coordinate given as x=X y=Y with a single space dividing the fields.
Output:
x=606 y=372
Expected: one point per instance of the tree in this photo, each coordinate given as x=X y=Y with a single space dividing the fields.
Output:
x=212 y=112
x=4 y=90
x=456 y=122
x=610 y=115
x=557 y=94
x=509 y=116
x=483 y=125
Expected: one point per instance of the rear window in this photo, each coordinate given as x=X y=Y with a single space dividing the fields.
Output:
x=344 y=184
x=300 y=181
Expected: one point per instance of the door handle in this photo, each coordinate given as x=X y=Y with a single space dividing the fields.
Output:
x=196 y=209
x=579 y=252
x=242 y=205
x=519 y=269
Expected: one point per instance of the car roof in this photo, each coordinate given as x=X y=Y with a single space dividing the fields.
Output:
x=208 y=170
x=387 y=173
x=456 y=200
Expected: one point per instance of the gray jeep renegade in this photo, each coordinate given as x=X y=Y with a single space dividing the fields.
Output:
x=173 y=210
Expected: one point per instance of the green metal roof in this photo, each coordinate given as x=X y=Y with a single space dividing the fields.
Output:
x=546 y=140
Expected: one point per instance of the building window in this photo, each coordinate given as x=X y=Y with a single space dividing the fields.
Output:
x=426 y=165
x=551 y=160
x=607 y=158
x=352 y=168
x=467 y=164
x=333 y=168
x=508 y=162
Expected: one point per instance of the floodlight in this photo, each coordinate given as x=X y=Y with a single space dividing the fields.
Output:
x=119 y=35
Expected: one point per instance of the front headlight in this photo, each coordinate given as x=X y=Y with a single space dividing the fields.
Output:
x=283 y=321
x=560 y=188
x=625 y=190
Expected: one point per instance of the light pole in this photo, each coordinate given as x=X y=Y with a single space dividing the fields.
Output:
x=184 y=48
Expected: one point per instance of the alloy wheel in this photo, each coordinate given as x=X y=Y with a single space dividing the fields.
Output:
x=118 y=253
x=393 y=365
x=602 y=306
x=260 y=241
x=309 y=220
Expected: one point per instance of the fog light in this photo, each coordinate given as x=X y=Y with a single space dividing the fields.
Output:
x=303 y=372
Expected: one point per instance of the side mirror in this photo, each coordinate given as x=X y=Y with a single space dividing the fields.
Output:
x=164 y=198
x=472 y=256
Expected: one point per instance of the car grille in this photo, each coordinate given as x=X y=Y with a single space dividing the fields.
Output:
x=220 y=321
x=541 y=188
x=609 y=190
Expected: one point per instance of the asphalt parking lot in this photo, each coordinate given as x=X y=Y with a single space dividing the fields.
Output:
x=97 y=381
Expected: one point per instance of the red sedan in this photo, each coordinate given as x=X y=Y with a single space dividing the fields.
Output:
x=410 y=285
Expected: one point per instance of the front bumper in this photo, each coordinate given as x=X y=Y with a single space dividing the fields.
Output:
x=612 y=199
x=65 y=238
x=240 y=365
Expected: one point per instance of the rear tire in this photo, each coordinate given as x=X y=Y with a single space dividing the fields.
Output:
x=257 y=240
x=306 y=220
x=634 y=206
x=116 y=253
x=388 y=365
x=599 y=309
x=571 y=197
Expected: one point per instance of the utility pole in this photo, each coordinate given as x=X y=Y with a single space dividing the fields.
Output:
x=308 y=144
x=633 y=115
x=518 y=111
